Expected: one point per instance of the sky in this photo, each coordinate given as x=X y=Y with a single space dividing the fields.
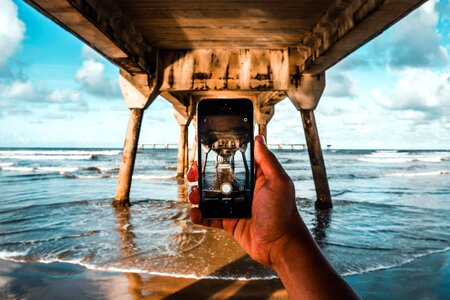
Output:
x=392 y=93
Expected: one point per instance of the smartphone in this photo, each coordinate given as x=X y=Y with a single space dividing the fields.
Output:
x=225 y=158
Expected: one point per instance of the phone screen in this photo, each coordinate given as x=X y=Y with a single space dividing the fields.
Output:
x=225 y=155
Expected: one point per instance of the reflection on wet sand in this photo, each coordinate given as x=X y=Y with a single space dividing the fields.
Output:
x=182 y=190
x=321 y=223
x=145 y=286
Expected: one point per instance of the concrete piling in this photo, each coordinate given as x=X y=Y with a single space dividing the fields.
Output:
x=182 y=149
x=122 y=195
x=316 y=160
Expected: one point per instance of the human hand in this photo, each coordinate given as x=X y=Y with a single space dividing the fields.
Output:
x=275 y=218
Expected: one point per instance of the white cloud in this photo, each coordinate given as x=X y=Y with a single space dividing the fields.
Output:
x=12 y=30
x=338 y=84
x=418 y=90
x=415 y=41
x=91 y=77
x=69 y=95
x=17 y=90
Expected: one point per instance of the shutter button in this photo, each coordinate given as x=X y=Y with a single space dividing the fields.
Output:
x=226 y=188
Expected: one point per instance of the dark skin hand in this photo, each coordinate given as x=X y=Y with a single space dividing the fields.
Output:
x=276 y=235
x=270 y=222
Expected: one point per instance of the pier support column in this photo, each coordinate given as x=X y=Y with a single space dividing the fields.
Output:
x=263 y=115
x=316 y=159
x=182 y=149
x=129 y=155
x=305 y=93
x=184 y=116
x=139 y=92
x=262 y=130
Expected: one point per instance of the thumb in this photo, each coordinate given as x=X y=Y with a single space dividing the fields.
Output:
x=267 y=161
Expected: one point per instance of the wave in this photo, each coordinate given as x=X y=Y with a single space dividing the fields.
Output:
x=58 y=238
x=8 y=164
x=154 y=177
x=18 y=169
x=8 y=153
x=411 y=174
x=11 y=255
x=19 y=257
x=404 y=157
x=60 y=170
x=72 y=176
x=390 y=266
x=57 y=169
x=53 y=157
x=393 y=160
x=16 y=256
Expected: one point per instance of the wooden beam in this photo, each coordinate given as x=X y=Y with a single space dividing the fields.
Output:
x=224 y=69
x=344 y=28
x=104 y=27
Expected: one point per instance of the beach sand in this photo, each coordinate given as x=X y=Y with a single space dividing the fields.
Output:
x=427 y=277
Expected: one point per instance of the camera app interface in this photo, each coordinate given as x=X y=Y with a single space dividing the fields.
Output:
x=226 y=142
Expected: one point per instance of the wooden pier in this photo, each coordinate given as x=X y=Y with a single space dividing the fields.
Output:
x=187 y=51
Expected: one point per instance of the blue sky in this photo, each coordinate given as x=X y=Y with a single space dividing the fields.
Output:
x=393 y=93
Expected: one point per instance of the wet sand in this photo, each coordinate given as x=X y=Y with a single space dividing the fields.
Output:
x=425 y=278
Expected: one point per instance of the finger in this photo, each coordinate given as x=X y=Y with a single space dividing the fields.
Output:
x=194 y=195
x=196 y=217
x=192 y=174
x=267 y=161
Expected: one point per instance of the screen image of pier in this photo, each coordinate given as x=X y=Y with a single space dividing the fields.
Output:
x=226 y=142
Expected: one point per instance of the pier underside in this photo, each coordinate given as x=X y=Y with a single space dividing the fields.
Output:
x=186 y=51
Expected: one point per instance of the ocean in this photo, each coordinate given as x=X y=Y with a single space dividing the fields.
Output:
x=390 y=208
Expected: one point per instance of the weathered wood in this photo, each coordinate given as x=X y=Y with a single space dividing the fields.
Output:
x=224 y=69
x=139 y=90
x=104 y=27
x=128 y=157
x=182 y=151
x=305 y=91
x=318 y=32
x=345 y=27
x=183 y=115
x=316 y=159
x=186 y=151
x=262 y=130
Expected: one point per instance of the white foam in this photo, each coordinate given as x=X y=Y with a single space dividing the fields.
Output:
x=8 y=164
x=11 y=255
x=153 y=177
x=390 y=266
x=18 y=169
x=57 y=169
x=8 y=153
x=51 y=157
x=389 y=157
x=112 y=269
x=105 y=169
x=14 y=256
x=434 y=173
x=89 y=176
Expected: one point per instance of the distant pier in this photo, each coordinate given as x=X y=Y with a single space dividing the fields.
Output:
x=157 y=145
x=173 y=145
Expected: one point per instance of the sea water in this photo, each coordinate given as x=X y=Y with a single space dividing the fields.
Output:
x=390 y=208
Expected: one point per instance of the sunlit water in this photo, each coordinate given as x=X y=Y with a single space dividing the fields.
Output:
x=390 y=207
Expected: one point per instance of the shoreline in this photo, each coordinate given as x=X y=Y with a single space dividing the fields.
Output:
x=426 y=277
